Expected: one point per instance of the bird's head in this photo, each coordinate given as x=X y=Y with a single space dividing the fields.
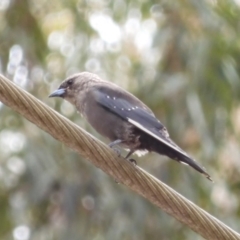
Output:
x=74 y=85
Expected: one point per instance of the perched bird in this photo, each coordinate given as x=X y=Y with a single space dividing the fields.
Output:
x=121 y=117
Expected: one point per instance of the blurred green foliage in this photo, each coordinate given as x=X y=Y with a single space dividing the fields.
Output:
x=179 y=57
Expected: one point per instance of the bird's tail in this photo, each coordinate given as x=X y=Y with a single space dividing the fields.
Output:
x=182 y=158
x=189 y=161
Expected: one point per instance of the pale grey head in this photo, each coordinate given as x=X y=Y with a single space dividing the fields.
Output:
x=75 y=85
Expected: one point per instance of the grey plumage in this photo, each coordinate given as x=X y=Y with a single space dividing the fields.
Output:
x=121 y=117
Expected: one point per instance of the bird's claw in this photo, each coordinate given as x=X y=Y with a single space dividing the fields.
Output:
x=117 y=151
x=133 y=161
x=116 y=181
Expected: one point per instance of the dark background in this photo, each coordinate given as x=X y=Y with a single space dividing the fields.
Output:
x=180 y=57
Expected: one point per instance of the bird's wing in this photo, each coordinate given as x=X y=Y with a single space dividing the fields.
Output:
x=136 y=114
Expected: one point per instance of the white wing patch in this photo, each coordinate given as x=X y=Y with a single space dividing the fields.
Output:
x=141 y=153
x=184 y=163
x=138 y=125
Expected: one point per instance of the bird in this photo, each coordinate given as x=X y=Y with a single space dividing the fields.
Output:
x=121 y=117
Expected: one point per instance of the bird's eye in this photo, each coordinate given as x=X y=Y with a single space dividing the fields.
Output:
x=70 y=82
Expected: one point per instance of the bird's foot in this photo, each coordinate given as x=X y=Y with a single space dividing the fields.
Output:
x=133 y=161
x=116 y=142
x=117 y=151
x=116 y=181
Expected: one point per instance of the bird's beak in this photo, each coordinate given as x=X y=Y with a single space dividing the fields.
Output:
x=58 y=93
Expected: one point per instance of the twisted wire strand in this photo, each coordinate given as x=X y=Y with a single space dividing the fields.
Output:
x=103 y=157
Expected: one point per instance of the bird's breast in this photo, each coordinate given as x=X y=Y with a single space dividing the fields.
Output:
x=104 y=122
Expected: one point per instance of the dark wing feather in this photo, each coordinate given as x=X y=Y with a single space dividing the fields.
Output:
x=135 y=113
